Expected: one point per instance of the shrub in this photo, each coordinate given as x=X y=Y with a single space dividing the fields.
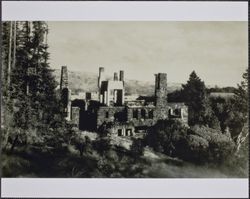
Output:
x=197 y=144
x=102 y=145
x=81 y=142
x=136 y=148
x=167 y=136
x=221 y=146
x=196 y=149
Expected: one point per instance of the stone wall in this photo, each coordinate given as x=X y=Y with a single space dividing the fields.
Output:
x=66 y=102
x=75 y=116
x=141 y=116
x=122 y=130
x=110 y=114
x=65 y=93
x=178 y=111
x=138 y=116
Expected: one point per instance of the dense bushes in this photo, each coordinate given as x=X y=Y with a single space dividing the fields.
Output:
x=165 y=135
x=137 y=148
x=197 y=144
x=85 y=157
x=220 y=146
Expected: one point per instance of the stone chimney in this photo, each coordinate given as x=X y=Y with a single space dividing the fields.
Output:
x=121 y=75
x=115 y=77
x=101 y=76
x=161 y=96
x=64 y=78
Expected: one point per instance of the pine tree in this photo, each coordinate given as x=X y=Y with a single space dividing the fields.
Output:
x=4 y=74
x=9 y=53
x=20 y=101
x=196 y=97
x=239 y=114
x=43 y=84
x=33 y=105
x=9 y=38
x=241 y=96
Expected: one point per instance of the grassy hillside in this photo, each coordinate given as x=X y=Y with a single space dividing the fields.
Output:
x=68 y=164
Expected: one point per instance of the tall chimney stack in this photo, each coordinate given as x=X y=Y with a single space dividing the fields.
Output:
x=121 y=75
x=64 y=77
x=115 y=77
x=101 y=76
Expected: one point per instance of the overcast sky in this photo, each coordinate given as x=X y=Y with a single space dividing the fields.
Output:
x=217 y=51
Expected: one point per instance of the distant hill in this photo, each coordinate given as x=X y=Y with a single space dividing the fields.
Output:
x=86 y=82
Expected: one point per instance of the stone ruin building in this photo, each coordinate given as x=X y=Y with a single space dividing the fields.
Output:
x=113 y=113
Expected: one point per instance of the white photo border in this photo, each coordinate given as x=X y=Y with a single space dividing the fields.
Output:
x=124 y=11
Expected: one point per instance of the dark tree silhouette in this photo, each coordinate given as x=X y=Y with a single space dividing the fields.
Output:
x=196 y=98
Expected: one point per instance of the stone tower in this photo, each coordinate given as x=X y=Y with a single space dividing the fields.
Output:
x=64 y=78
x=115 y=77
x=161 y=111
x=65 y=93
x=121 y=76
x=101 y=76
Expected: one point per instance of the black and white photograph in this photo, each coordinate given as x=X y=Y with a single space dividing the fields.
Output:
x=125 y=99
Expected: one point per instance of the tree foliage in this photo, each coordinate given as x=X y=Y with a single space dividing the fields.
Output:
x=196 y=98
x=166 y=135
x=240 y=107
x=241 y=96
x=220 y=146
x=29 y=100
x=197 y=144
x=223 y=110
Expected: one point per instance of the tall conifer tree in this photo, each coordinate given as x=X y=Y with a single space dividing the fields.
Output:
x=196 y=97
x=33 y=102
